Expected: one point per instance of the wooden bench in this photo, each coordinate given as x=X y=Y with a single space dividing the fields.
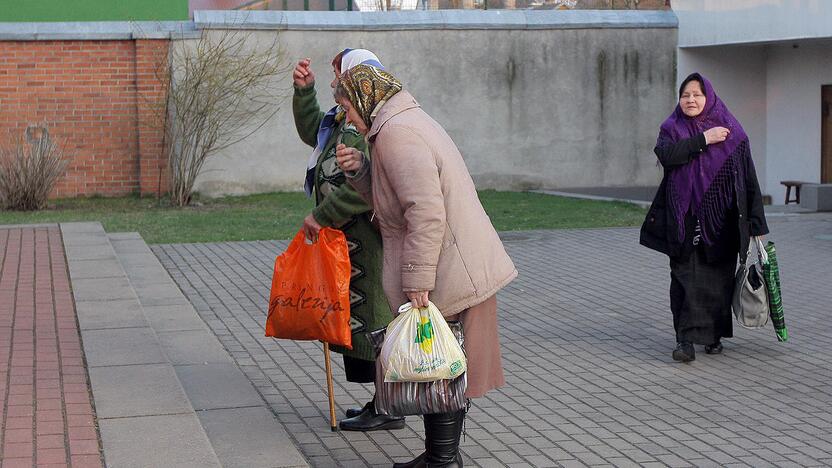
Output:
x=789 y=184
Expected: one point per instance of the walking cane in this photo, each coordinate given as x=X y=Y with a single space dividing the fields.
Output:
x=333 y=426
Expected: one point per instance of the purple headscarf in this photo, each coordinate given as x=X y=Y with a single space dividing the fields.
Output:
x=699 y=186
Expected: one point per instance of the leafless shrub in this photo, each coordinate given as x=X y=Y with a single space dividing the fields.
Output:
x=29 y=167
x=220 y=90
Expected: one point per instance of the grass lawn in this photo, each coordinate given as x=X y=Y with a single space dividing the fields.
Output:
x=279 y=215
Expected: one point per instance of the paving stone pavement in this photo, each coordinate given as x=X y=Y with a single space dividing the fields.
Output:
x=46 y=411
x=586 y=337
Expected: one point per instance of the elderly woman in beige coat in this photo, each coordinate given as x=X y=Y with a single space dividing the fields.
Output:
x=439 y=243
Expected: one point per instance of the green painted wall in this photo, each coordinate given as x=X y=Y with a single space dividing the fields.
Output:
x=92 y=10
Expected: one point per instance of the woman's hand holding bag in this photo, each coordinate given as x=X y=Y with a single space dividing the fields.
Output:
x=407 y=398
x=419 y=346
x=310 y=297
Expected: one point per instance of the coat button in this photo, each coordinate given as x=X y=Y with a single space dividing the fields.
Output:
x=409 y=267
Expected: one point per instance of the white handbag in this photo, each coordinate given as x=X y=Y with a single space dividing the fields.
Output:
x=750 y=300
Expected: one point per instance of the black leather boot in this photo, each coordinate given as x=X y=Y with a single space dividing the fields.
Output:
x=442 y=433
x=418 y=462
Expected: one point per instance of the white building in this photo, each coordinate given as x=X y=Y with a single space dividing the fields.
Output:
x=771 y=62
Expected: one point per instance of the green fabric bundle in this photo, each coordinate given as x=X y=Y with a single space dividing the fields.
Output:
x=771 y=274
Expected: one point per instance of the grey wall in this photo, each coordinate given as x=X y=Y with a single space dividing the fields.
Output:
x=574 y=102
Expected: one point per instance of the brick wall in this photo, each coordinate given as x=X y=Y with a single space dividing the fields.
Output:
x=96 y=98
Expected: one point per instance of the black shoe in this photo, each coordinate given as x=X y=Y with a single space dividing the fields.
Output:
x=715 y=348
x=369 y=420
x=353 y=412
x=684 y=352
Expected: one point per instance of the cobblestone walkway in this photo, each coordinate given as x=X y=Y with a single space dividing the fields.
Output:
x=586 y=334
x=46 y=415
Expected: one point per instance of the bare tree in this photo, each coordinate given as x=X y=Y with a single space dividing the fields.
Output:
x=29 y=168
x=220 y=90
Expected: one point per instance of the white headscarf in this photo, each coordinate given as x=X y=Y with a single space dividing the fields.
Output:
x=353 y=57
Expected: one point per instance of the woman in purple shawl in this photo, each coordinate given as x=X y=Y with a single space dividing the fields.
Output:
x=706 y=210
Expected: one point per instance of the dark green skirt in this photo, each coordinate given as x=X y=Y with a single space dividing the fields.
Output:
x=369 y=309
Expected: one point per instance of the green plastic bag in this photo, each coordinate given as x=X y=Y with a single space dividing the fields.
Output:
x=771 y=275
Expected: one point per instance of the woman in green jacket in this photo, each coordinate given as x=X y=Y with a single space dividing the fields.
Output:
x=338 y=205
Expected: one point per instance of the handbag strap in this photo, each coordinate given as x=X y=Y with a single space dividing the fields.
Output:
x=762 y=255
x=744 y=256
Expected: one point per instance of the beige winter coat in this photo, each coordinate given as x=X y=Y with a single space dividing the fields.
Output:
x=436 y=235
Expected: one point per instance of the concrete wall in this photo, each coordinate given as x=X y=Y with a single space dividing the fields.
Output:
x=720 y=22
x=533 y=99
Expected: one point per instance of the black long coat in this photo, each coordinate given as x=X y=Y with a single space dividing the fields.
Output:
x=747 y=219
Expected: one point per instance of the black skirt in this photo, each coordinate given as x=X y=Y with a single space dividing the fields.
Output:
x=700 y=297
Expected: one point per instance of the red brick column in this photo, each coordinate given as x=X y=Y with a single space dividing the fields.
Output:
x=151 y=87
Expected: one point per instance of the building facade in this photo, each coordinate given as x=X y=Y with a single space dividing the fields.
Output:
x=771 y=62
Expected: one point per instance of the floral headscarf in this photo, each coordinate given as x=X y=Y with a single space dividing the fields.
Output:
x=368 y=88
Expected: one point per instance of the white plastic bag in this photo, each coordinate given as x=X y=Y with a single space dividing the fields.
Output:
x=420 y=347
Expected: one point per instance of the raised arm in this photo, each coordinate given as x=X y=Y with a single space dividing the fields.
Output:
x=307 y=114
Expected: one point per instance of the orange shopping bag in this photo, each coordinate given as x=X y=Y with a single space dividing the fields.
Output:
x=310 y=297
